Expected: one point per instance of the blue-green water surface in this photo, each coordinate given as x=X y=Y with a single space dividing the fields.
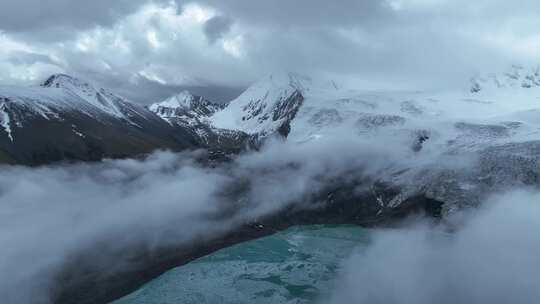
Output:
x=298 y=265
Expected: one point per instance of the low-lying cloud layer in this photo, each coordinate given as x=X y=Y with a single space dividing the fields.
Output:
x=493 y=257
x=51 y=215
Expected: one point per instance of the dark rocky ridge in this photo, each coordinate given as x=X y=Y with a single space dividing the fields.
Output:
x=69 y=120
x=43 y=141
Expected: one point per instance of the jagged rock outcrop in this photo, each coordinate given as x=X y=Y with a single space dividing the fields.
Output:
x=186 y=111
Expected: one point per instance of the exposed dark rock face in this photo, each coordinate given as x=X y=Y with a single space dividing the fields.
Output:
x=325 y=117
x=185 y=104
x=421 y=137
x=368 y=121
x=286 y=111
x=187 y=112
x=74 y=136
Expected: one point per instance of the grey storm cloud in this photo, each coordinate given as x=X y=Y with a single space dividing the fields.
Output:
x=305 y=12
x=22 y=57
x=216 y=27
x=147 y=92
x=415 y=44
x=30 y=15
x=164 y=200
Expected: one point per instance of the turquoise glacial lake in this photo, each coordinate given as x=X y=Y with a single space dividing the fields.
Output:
x=299 y=265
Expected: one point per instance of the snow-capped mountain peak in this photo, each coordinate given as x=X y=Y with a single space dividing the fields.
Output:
x=59 y=99
x=294 y=80
x=64 y=81
x=265 y=107
x=182 y=99
x=184 y=104
x=69 y=118
x=100 y=98
x=185 y=100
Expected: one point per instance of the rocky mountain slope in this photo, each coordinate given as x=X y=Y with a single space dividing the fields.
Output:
x=70 y=119
x=186 y=111
x=491 y=135
x=454 y=147
x=185 y=105
x=266 y=107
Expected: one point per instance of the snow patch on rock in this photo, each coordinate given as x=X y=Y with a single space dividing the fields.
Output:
x=5 y=121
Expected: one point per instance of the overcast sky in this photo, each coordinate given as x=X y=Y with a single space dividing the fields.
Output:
x=148 y=49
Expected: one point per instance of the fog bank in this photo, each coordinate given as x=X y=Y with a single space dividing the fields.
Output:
x=50 y=215
x=493 y=257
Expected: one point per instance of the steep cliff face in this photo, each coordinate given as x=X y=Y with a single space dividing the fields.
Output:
x=266 y=107
x=186 y=111
x=185 y=106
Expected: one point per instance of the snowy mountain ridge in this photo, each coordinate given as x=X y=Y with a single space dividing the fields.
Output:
x=496 y=129
x=516 y=76
x=265 y=107
x=62 y=93
x=185 y=104
x=100 y=98
x=190 y=112
x=68 y=118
